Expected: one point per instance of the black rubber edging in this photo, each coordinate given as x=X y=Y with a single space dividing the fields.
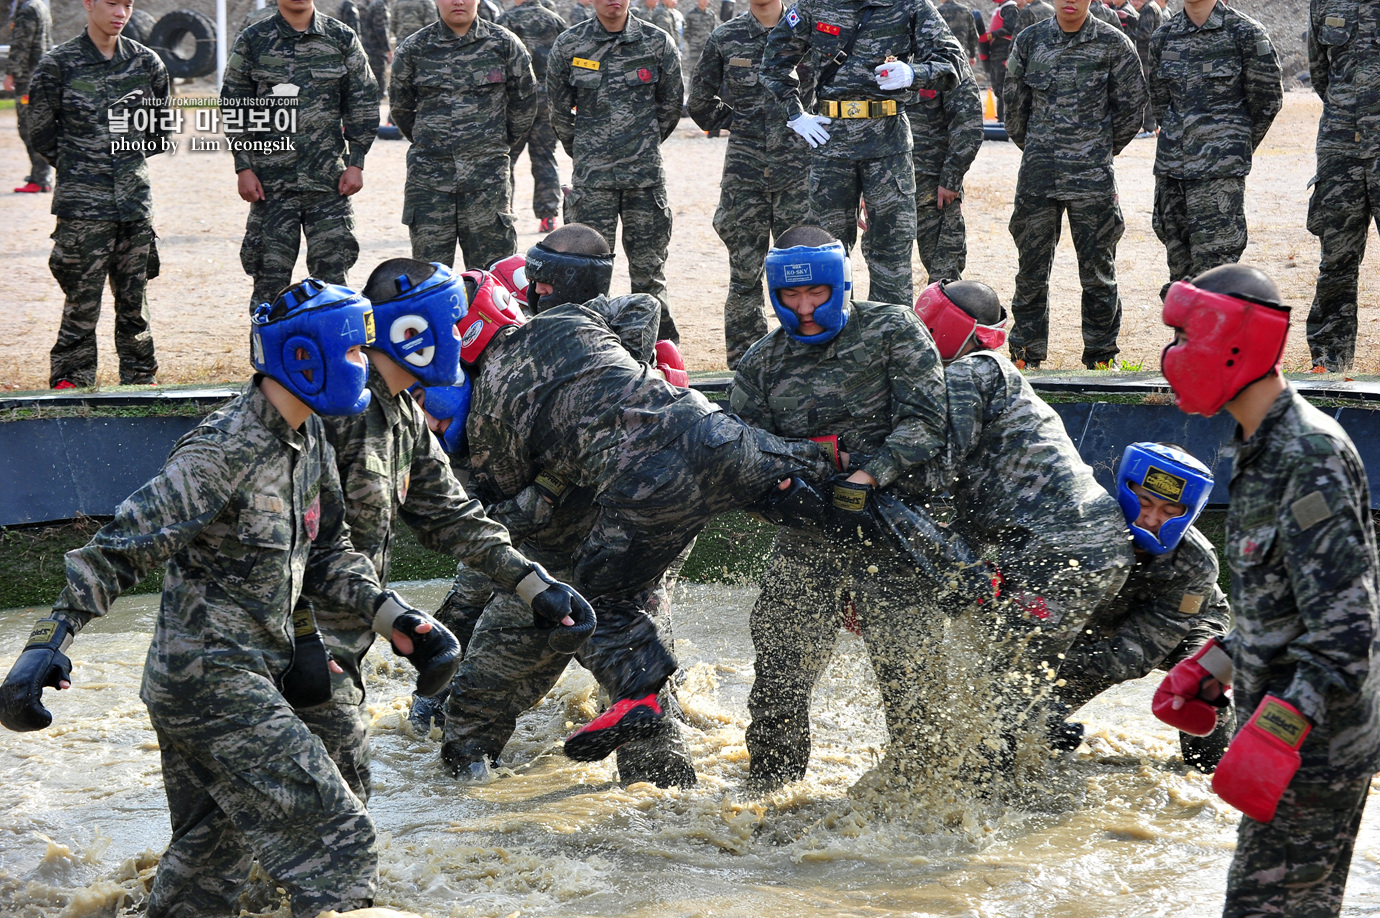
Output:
x=169 y=32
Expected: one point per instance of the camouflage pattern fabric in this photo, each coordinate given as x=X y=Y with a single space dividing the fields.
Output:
x=447 y=95
x=71 y=95
x=961 y=23
x=376 y=38
x=245 y=512
x=1202 y=223
x=411 y=16
x=31 y=29
x=580 y=12
x=273 y=237
x=1073 y=101
x=1151 y=17
x=86 y=253
x=888 y=185
x=348 y=14
x=257 y=15
x=1037 y=11
x=1006 y=24
x=538 y=27
x=760 y=192
x=1104 y=12
x=1342 y=37
x=699 y=25
x=659 y=16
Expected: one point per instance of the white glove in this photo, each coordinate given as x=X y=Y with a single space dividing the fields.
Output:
x=811 y=127
x=894 y=75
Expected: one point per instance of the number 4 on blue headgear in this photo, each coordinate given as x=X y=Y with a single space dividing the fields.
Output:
x=1169 y=474
x=419 y=326
x=809 y=266
x=302 y=340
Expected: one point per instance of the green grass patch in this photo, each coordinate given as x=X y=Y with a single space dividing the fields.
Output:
x=6 y=104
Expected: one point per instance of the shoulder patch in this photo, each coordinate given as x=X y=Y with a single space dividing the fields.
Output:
x=1335 y=21
x=792 y=17
x=1262 y=47
x=1310 y=510
x=1191 y=603
x=737 y=398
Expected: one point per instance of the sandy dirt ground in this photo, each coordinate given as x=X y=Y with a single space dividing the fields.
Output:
x=199 y=304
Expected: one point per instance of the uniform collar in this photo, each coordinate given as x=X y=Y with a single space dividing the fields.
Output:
x=123 y=49
x=631 y=32
x=478 y=29
x=269 y=417
x=1181 y=23
x=288 y=32
x=1247 y=450
x=1087 y=32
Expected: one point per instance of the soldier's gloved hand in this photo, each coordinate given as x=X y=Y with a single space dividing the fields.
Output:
x=893 y=75
x=435 y=653
x=850 y=512
x=42 y=664
x=558 y=607
x=811 y=127
x=307 y=682
x=551 y=487
x=799 y=505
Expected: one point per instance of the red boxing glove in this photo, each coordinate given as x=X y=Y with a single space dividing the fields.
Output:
x=669 y=362
x=1196 y=714
x=831 y=447
x=1262 y=759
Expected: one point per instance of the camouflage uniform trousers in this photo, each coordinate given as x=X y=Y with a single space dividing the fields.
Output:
x=273 y=237
x=254 y=782
x=1097 y=226
x=1296 y=865
x=40 y=173
x=747 y=219
x=378 y=62
x=1202 y=223
x=477 y=216
x=646 y=217
x=940 y=235
x=888 y=186
x=85 y=253
x=1346 y=198
x=344 y=730
x=540 y=143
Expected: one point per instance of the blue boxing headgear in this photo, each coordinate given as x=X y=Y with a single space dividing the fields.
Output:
x=417 y=326
x=449 y=402
x=1169 y=474
x=302 y=337
x=807 y=266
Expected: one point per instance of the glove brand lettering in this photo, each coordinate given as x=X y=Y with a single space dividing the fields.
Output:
x=472 y=333
x=1279 y=721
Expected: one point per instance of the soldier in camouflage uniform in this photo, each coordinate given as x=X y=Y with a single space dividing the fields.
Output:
x=946 y=129
x=871 y=378
x=1001 y=33
x=616 y=95
x=246 y=512
x=1151 y=18
x=1075 y=96
x=1342 y=41
x=1304 y=648
x=700 y=22
x=376 y=37
x=866 y=153
x=348 y=14
x=79 y=94
x=1031 y=13
x=31 y=30
x=659 y=15
x=760 y=194
x=302 y=186
x=462 y=91
x=961 y=22
x=582 y=11
x=411 y=16
x=538 y=28
x=1215 y=88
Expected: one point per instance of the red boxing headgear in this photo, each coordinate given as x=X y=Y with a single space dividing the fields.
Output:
x=491 y=308
x=511 y=272
x=1230 y=342
x=951 y=326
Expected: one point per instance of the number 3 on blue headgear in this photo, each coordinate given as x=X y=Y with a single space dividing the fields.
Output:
x=809 y=266
x=1169 y=474
x=303 y=338
x=418 y=326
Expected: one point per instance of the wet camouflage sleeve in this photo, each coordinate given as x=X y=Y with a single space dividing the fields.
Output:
x=30 y=35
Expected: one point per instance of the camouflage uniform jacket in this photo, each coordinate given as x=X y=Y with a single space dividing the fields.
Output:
x=878 y=386
x=538 y=27
x=947 y=131
x=1038 y=11
x=411 y=16
x=1344 y=63
x=907 y=30
x=1073 y=101
x=726 y=91
x=31 y=33
x=1105 y=13
x=1165 y=598
x=247 y=513
x=961 y=22
x=1301 y=548
x=699 y=25
x=72 y=92
x=1015 y=476
x=348 y=15
x=1151 y=18
x=615 y=97
x=337 y=101
x=1215 y=90
x=376 y=26
x=448 y=95
x=661 y=17
x=580 y=13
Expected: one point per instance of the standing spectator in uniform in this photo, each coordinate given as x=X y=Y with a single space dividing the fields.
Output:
x=1001 y=32
x=869 y=61
x=306 y=188
x=760 y=194
x=700 y=20
x=659 y=15
x=1151 y=18
x=1035 y=11
x=411 y=16
x=376 y=36
x=616 y=95
x=1075 y=96
x=31 y=29
x=1215 y=88
x=104 y=201
x=960 y=21
x=538 y=27
x=1301 y=659
x=1343 y=38
x=946 y=129
x=349 y=15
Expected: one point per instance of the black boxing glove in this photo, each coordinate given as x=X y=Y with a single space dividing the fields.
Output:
x=436 y=653
x=42 y=664
x=551 y=601
x=307 y=682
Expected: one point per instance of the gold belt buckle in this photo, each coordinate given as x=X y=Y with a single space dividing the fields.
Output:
x=854 y=110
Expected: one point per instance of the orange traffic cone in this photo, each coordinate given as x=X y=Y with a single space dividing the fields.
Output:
x=989 y=106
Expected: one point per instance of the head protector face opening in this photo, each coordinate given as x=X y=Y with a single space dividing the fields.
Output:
x=511 y=272
x=809 y=266
x=448 y=403
x=951 y=326
x=301 y=340
x=573 y=278
x=419 y=327
x=491 y=309
x=1169 y=474
x=1230 y=342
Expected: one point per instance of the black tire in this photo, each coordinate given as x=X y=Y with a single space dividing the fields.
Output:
x=389 y=132
x=140 y=25
x=171 y=33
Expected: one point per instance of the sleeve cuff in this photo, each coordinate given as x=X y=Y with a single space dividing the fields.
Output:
x=355 y=157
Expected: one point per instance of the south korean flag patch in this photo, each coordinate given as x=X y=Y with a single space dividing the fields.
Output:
x=792 y=18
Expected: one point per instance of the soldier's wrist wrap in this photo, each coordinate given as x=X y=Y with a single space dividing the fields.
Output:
x=534 y=584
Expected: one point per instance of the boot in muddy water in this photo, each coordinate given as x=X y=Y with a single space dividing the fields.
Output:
x=628 y=720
